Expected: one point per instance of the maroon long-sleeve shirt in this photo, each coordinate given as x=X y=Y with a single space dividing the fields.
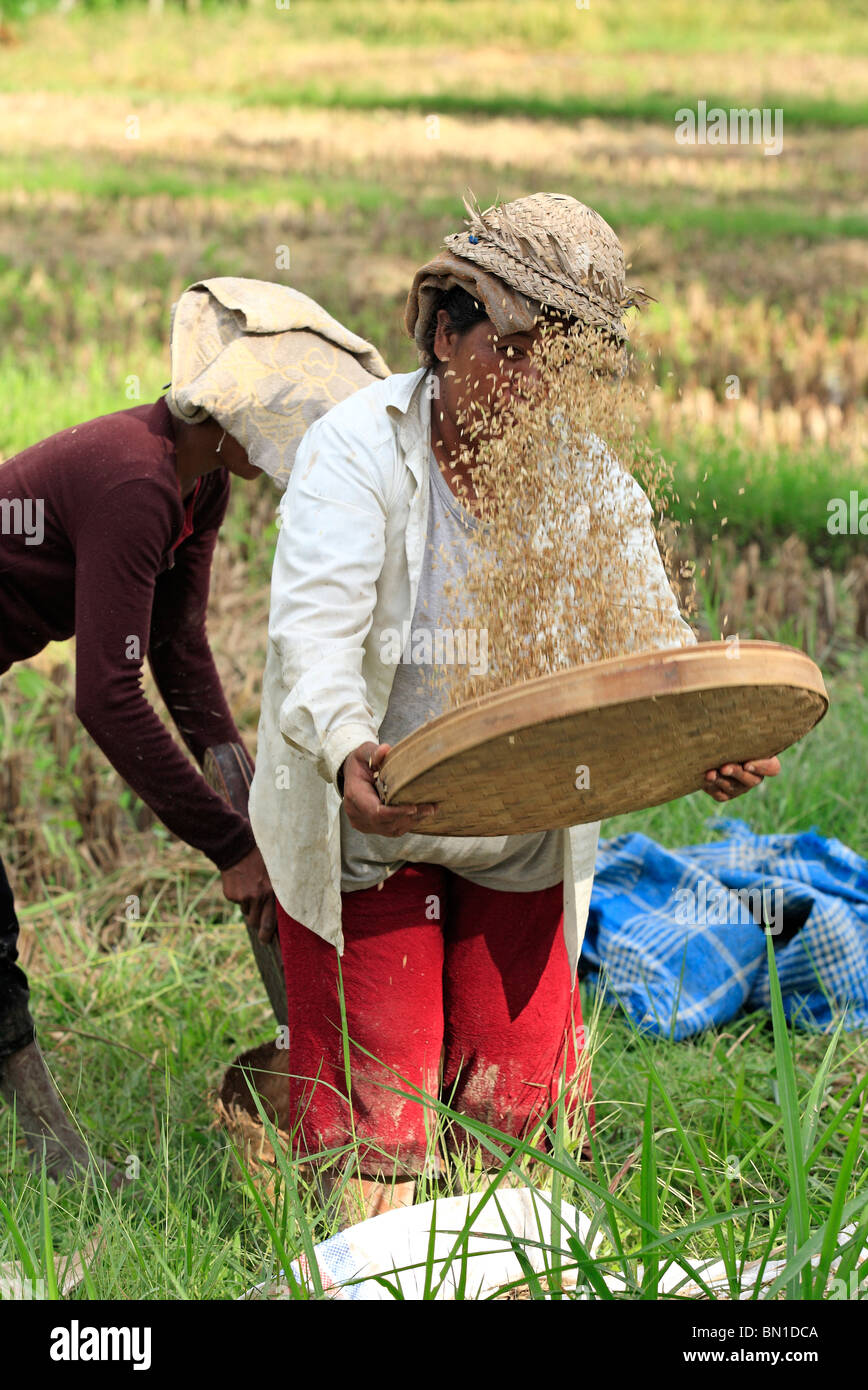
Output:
x=109 y=569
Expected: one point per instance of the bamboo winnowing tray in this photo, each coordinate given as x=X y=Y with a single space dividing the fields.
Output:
x=598 y=740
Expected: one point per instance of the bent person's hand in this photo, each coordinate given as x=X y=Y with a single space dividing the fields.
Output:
x=247 y=883
x=365 y=811
x=734 y=779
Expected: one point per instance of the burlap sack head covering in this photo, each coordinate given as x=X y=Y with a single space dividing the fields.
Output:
x=264 y=361
x=544 y=250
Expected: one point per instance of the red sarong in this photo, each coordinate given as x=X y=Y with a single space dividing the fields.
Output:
x=465 y=992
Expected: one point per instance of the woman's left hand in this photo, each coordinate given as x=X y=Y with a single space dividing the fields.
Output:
x=734 y=779
x=247 y=883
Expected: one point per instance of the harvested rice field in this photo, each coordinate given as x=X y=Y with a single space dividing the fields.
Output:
x=328 y=146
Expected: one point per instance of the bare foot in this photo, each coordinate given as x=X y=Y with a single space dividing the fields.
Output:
x=365 y=1197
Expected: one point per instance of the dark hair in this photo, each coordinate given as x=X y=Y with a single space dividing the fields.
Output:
x=464 y=312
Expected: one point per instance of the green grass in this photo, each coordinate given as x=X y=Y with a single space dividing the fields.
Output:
x=729 y=1167
x=740 y=1140
x=98 y=390
x=756 y=220
x=790 y=26
x=798 y=112
x=727 y=490
x=138 y=1032
x=138 y=177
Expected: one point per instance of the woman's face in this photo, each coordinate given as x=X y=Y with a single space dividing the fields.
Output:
x=235 y=458
x=480 y=368
x=210 y=436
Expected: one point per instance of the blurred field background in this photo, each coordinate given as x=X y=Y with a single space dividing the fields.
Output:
x=140 y=151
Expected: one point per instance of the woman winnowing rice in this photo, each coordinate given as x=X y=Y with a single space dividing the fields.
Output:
x=129 y=507
x=456 y=957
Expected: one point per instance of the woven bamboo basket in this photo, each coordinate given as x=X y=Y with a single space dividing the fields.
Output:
x=602 y=739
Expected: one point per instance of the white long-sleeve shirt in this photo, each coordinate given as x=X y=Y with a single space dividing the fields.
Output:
x=346 y=569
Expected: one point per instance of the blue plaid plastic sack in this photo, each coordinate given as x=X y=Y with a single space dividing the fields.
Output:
x=675 y=936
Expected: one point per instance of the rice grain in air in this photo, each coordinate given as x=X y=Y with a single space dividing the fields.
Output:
x=555 y=575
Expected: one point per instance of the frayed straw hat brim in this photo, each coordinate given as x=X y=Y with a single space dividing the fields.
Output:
x=550 y=249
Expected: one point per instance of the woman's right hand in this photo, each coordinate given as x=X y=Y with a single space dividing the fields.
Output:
x=365 y=811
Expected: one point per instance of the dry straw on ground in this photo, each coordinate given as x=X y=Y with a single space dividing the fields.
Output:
x=564 y=569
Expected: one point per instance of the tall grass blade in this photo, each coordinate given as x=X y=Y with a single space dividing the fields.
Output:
x=588 y=1268
x=798 y=1225
x=852 y=1254
x=814 y=1103
x=834 y=1219
x=49 y=1268
x=648 y=1192
x=29 y=1263
x=803 y=1256
x=290 y=1188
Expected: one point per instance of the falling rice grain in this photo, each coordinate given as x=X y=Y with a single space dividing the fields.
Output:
x=557 y=572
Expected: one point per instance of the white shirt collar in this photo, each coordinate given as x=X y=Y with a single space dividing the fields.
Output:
x=407 y=406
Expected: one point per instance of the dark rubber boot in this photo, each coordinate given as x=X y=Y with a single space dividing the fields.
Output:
x=42 y=1118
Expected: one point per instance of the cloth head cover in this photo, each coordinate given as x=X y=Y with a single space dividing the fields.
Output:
x=264 y=361
x=544 y=250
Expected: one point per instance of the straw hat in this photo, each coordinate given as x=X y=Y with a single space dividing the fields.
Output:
x=554 y=250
